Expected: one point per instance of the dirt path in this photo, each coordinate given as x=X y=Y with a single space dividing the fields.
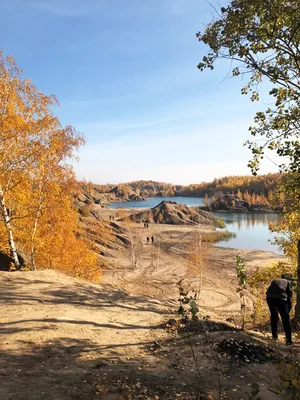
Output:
x=162 y=265
x=64 y=339
x=53 y=325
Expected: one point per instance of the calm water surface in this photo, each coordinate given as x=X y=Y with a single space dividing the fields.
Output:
x=154 y=201
x=251 y=229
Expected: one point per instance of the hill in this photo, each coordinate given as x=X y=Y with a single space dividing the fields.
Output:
x=228 y=202
x=169 y=212
x=125 y=193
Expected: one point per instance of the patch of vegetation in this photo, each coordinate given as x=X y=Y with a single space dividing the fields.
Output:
x=187 y=303
x=220 y=223
x=214 y=237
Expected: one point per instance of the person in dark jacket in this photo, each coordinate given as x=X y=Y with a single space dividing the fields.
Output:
x=279 y=299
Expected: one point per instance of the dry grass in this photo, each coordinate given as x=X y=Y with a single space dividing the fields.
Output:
x=214 y=237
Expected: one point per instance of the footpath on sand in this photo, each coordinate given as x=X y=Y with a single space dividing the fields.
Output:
x=62 y=339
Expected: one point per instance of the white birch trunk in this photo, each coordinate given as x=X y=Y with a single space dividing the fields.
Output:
x=7 y=222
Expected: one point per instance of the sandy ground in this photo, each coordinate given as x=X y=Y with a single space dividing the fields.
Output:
x=162 y=265
x=62 y=338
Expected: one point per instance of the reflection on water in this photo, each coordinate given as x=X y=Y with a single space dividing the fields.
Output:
x=251 y=230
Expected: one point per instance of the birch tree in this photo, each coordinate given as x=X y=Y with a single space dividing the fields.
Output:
x=23 y=114
x=37 y=181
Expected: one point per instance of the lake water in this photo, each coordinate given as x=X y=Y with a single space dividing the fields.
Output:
x=154 y=201
x=251 y=229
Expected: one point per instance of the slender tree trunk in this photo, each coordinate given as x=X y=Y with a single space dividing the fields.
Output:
x=158 y=248
x=199 y=260
x=33 y=234
x=32 y=252
x=6 y=219
x=297 y=308
x=132 y=246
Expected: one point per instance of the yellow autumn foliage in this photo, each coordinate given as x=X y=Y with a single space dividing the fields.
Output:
x=37 y=182
x=288 y=228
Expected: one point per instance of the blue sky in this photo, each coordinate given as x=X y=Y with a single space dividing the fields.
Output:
x=125 y=74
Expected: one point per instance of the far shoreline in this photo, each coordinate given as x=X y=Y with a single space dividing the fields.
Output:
x=204 y=208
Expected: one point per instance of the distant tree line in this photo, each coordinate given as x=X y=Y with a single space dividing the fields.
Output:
x=259 y=185
x=263 y=185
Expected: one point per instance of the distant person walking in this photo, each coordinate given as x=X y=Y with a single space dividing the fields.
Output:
x=152 y=239
x=279 y=299
x=148 y=240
